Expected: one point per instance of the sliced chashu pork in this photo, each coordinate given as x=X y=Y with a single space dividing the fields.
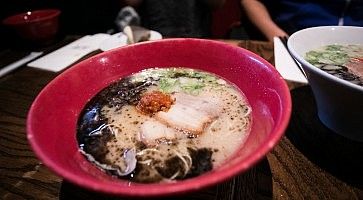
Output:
x=188 y=115
x=191 y=113
x=152 y=131
x=355 y=66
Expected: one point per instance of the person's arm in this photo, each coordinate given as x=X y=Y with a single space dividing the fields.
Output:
x=260 y=17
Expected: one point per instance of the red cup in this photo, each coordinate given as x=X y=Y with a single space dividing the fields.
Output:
x=39 y=26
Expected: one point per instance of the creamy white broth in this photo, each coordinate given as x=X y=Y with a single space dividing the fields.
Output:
x=217 y=122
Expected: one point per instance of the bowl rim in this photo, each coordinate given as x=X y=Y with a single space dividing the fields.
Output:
x=10 y=19
x=311 y=67
x=180 y=187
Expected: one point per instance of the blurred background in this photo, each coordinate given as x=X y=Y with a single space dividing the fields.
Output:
x=78 y=17
x=83 y=17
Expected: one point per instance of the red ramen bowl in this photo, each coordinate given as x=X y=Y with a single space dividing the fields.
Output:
x=52 y=120
x=39 y=26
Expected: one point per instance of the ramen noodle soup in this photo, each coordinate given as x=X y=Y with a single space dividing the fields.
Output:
x=342 y=61
x=161 y=125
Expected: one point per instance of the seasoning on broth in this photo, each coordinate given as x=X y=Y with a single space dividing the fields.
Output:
x=162 y=125
x=342 y=61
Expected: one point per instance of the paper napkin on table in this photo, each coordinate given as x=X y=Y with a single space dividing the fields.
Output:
x=285 y=64
x=70 y=53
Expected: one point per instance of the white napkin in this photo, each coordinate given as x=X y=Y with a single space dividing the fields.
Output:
x=285 y=64
x=67 y=55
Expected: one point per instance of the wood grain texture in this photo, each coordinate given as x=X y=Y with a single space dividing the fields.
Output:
x=244 y=186
x=22 y=176
x=308 y=163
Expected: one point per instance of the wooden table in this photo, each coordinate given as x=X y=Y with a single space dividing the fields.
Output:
x=310 y=162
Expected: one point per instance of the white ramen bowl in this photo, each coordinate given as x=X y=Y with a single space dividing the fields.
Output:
x=339 y=102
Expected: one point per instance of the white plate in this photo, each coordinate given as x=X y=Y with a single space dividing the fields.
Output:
x=120 y=39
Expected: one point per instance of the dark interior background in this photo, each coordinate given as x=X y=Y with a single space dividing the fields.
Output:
x=80 y=17
x=77 y=17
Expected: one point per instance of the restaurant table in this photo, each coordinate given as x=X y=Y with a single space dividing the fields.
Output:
x=310 y=162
